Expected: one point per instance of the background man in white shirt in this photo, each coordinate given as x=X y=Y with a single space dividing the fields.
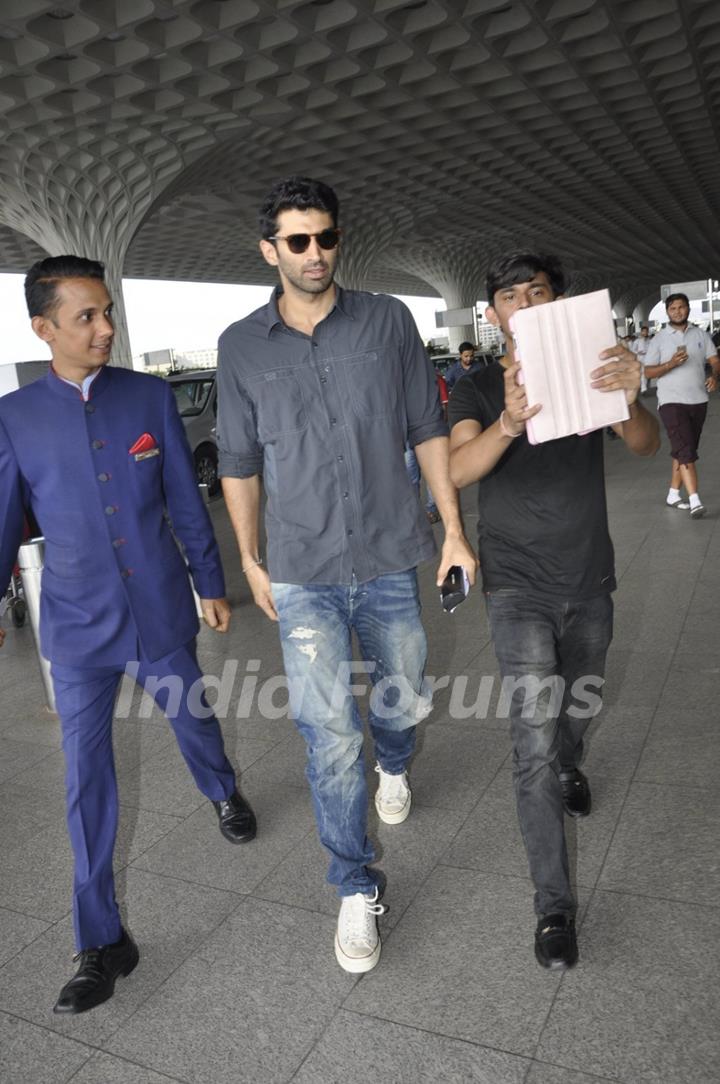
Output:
x=676 y=357
x=639 y=346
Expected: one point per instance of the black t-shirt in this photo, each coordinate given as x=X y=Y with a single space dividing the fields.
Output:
x=542 y=512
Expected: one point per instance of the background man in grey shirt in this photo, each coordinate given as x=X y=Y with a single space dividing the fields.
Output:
x=320 y=390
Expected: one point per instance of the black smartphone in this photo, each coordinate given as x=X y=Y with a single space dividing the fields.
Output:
x=454 y=588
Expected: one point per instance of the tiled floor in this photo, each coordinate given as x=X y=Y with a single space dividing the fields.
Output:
x=238 y=981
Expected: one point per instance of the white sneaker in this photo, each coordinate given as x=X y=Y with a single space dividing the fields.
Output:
x=357 y=941
x=393 y=797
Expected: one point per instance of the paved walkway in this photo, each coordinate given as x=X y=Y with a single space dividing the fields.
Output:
x=238 y=981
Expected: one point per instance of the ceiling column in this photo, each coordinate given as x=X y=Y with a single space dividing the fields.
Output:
x=459 y=295
x=85 y=192
x=455 y=272
x=77 y=234
x=641 y=312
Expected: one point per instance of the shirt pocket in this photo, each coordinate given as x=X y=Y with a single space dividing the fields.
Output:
x=146 y=465
x=372 y=381
x=144 y=477
x=279 y=403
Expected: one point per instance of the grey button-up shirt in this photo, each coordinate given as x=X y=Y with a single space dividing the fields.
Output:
x=325 y=419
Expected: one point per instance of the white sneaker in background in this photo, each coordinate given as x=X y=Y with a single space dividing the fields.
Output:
x=357 y=940
x=393 y=797
x=682 y=505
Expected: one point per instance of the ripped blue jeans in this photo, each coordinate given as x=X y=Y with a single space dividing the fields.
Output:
x=316 y=626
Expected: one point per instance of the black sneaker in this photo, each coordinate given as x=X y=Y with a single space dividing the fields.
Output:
x=94 y=980
x=577 y=799
x=555 y=942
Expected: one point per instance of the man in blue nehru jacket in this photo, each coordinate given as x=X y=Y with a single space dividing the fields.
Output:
x=99 y=454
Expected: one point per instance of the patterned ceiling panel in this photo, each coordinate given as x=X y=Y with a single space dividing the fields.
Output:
x=452 y=129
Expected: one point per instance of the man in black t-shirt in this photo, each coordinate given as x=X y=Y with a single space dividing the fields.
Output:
x=548 y=570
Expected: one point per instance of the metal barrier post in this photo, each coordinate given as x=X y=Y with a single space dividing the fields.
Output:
x=31 y=559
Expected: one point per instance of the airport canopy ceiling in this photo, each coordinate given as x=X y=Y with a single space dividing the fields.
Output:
x=146 y=132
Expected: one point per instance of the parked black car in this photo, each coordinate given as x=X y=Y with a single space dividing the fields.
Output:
x=196 y=397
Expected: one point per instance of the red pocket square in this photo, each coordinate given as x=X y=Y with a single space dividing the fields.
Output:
x=143 y=444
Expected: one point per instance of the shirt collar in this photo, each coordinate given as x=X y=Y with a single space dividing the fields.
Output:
x=273 y=313
x=85 y=386
x=342 y=299
x=92 y=386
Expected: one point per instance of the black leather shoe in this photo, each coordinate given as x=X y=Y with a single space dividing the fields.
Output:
x=94 y=980
x=577 y=799
x=555 y=942
x=237 y=820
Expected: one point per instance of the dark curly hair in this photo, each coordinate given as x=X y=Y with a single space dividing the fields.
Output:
x=301 y=193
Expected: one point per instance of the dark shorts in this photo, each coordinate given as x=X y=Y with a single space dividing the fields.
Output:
x=684 y=423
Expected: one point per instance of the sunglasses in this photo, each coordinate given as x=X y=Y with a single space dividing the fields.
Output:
x=300 y=242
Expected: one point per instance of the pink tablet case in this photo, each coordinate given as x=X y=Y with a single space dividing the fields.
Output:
x=557 y=346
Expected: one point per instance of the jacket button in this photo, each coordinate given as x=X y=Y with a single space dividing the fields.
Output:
x=110 y=510
x=89 y=408
x=126 y=573
x=118 y=542
x=103 y=477
x=98 y=444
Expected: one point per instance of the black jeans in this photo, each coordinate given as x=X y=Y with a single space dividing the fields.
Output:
x=552 y=660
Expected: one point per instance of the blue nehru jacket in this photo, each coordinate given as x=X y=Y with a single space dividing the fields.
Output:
x=115 y=582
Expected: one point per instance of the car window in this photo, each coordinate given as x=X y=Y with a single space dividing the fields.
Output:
x=191 y=396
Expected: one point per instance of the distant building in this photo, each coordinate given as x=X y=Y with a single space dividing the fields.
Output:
x=196 y=359
x=490 y=338
x=155 y=361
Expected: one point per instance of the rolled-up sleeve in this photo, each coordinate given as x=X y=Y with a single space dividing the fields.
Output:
x=422 y=399
x=240 y=454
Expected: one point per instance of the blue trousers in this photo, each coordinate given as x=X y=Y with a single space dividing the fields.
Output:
x=316 y=626
x=85 y=698
x=555 y=651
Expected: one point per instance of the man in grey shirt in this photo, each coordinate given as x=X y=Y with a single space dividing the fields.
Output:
x=319 y=391
x=676 y=357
